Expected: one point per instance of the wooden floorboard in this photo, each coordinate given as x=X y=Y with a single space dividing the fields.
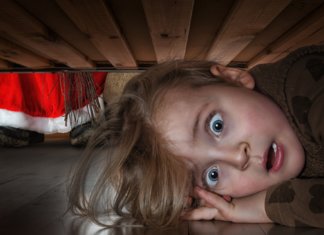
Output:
x=33 y=199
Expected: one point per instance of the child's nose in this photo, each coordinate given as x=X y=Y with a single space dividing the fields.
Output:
x=238 y=156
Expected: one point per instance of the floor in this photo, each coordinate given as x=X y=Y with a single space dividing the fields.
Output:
x=33 y=199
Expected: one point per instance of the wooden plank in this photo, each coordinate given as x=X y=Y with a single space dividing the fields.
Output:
x=14 y=53
x=94 y=19
x=4 y=64
x=317 y=38
x=247 y=19
x=290 y=16
x=132 y=20
x=16 y=23
x=169 y=23
x=202 y=31
x=294 y=38
x=52 y=15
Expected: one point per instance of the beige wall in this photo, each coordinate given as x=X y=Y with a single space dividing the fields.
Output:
x=115 y=83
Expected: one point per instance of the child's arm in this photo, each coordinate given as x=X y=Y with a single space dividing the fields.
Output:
x=298 y=202
x=293 y=203
x=249 y=209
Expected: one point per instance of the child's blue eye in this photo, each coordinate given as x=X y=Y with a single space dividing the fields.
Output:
x=211 y=176
x=216 y=124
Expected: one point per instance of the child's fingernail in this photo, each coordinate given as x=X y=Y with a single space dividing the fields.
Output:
x=227 y=198
x=214 y=69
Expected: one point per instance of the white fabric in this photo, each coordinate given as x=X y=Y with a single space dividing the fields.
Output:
x=41 y=124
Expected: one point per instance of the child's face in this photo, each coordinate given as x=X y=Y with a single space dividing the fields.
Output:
x=228 y=135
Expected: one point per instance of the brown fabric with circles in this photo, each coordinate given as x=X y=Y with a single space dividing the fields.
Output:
x=296 y=84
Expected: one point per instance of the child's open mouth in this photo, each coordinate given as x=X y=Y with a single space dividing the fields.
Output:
x=274 y=157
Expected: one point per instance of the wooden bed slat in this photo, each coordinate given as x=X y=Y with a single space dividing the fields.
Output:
x=207 y=19
x=247 y=19
x=11 y=52
x=135 y=34
x=169 y=23
x=290 y=16
x=4 y=64
x=317 y=38
x=133 y=22
x=32 y=34
x=52 y=15
x=94 y=19
x=294 y=38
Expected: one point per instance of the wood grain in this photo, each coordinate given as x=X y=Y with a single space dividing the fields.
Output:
x=290 y=16
x=14 y=53
x=246 y=20
x=95 y=20
x=48 y=12
x=304 y=32
x=169 y=24
x=33 y=35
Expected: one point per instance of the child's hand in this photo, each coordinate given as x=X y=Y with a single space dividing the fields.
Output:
x=249 y=209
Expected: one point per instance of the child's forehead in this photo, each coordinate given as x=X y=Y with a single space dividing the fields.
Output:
x=180 y=97
x=185 y=100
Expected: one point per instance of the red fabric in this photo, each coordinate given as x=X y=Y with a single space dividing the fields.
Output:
x=38 y=94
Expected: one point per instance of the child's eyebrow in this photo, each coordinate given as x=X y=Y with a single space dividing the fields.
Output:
x=196 y=122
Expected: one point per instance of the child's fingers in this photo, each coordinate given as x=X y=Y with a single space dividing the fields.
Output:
x=224 y=208
x=227 y=198
x=212 y=199
x=214 y=70
x=247 y=209
x=202 y=213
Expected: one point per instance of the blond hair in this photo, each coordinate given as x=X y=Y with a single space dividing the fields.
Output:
x=150 y=183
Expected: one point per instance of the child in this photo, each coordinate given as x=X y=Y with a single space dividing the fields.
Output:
x=232 y=140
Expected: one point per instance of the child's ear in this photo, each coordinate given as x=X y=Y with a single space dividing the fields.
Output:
x=234 y=75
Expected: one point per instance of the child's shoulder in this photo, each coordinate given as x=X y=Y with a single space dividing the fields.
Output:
x=296 y=84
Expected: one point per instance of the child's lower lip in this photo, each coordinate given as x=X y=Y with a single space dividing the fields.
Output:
x=279 y=158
